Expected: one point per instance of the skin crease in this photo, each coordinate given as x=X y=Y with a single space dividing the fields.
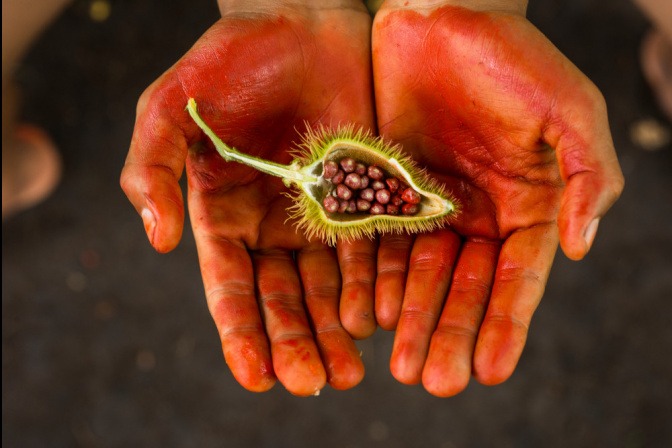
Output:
x=520 y=137
x=258 y=79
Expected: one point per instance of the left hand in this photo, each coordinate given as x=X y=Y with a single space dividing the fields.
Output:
x=520 y=136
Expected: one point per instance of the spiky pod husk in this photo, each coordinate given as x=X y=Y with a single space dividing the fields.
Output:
x=322 y=144
x=305 y=174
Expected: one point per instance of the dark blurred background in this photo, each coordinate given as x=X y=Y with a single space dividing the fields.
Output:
x=106 y=343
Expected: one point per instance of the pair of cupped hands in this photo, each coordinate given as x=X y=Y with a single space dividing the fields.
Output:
x=473 y=92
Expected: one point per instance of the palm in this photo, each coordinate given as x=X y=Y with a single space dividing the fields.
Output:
x=259 y=107
x=257 y=80
x=481 y=99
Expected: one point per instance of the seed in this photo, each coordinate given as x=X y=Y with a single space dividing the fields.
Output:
x=343 y=206
x=329 y=169
x=378 y=185
x=411 y=196
x=338 y=177
x=348 y=164
x=330 y=204
x=409 y=209
x=377 y=209
x=392 y=209
x=393 y=183
x=383 y=196
x=343 y=192
x=363 y=205
x=353 y=181
x=375 y=172
x=367 y=194
x=392 y=196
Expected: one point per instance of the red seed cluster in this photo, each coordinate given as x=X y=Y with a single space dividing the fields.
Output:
x=366 y=189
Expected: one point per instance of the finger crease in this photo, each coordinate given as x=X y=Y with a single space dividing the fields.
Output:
x=416 y=314
x=456 y=330
x=238 y=330
x=231 y=289
x=323 y=292
x=289 y=336
x=468 y=286
x=507 y=319
x=357 y=282
x=517 y=273
x=391 y=269
x=325 y=329
x=286 y=301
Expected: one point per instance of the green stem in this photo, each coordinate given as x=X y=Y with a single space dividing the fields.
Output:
x=229 y=154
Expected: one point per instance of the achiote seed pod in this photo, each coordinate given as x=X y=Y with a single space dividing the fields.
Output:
x=349 y=184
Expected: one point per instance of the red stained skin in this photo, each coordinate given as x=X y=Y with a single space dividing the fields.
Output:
x=345 y=368
x=255 y=373
x=259 y=80
x=495 y=155
x=519 y=136
x=297 y=364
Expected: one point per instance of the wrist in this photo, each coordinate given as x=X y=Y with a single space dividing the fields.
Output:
x=274 y=6
x=511 y=6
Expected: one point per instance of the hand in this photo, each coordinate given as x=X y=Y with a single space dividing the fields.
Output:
x=521 y=138
x=259 y=75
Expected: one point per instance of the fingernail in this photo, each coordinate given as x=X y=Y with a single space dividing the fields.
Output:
x=150 y=223
x=591 y=231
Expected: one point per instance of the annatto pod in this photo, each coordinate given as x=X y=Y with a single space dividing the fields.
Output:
x=349 y=184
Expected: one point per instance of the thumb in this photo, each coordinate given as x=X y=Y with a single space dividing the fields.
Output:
x=589 y=167
x=155 y=163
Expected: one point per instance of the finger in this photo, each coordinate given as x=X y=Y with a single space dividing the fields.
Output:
x=155 y=163
x=431 y=265
x=520 y=278
x=229 y=287
x=590 y=169
x=393 y=255
x=357 y=260
x=320 y=276
x=296 y=360
x=448 y=367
